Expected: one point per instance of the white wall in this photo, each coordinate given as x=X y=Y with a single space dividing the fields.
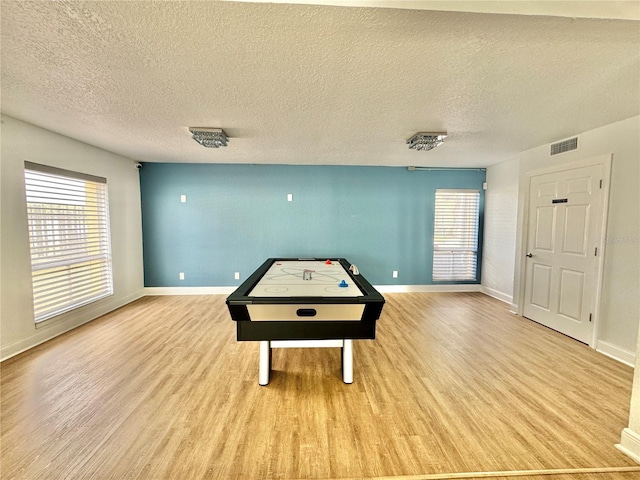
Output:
x=620 y=302
x=24 y=142
x=500 y=218
x=630 y=437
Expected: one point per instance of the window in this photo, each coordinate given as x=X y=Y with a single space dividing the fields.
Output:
x=68 y=215
x=455 y=235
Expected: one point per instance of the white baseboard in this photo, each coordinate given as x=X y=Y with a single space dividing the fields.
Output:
x=426 y=288
x=152 y=291
x=380 y=288
x=503 y=297
x=617 y=353
x=50 y=329
x=630 y=444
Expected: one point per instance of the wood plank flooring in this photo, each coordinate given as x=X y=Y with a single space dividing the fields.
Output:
x=160 y=389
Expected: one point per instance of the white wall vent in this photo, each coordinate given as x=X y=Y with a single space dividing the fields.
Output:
x=564 y=146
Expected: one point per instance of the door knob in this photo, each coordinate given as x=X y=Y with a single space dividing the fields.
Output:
x=529 y=254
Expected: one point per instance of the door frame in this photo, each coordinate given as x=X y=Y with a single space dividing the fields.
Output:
x=606 y=162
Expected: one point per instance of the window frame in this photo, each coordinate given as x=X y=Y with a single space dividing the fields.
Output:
x=469 y=242
x=69 y=239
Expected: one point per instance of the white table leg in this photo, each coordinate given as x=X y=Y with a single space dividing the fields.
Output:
x=265 y=362
x=347 y=361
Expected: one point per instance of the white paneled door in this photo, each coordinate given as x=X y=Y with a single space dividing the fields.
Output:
x=563 y=243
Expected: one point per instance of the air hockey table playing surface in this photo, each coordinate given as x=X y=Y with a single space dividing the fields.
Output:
x=306 y=278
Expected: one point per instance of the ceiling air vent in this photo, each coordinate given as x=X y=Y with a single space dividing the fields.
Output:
x=564 y=146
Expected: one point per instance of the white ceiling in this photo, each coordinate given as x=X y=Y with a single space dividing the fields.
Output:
x=319 y=84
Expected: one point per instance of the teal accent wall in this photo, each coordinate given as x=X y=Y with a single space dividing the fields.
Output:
x=237 y=216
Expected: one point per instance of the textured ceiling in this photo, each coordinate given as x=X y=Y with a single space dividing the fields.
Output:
x=313 y=84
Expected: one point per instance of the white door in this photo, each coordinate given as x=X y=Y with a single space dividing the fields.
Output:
x=564 y=233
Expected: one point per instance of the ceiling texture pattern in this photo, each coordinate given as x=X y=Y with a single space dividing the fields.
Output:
x=313 y=84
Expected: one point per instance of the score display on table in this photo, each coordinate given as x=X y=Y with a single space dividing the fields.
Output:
x=294 y=302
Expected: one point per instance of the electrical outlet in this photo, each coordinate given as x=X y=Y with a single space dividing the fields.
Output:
x=395 y=274
x=237 y=276
x=183 y=198
x=181 y=275
x=289 y=197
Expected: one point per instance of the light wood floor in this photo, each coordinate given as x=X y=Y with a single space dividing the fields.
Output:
x=160 y=389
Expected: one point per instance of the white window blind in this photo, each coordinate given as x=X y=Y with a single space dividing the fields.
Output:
x=455 y=237
x=68 y=215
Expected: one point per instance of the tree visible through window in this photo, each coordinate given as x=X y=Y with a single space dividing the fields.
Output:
x=68 y=217
x=455 y=235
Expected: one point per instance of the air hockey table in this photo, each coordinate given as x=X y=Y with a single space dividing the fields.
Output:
x=305 y=302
